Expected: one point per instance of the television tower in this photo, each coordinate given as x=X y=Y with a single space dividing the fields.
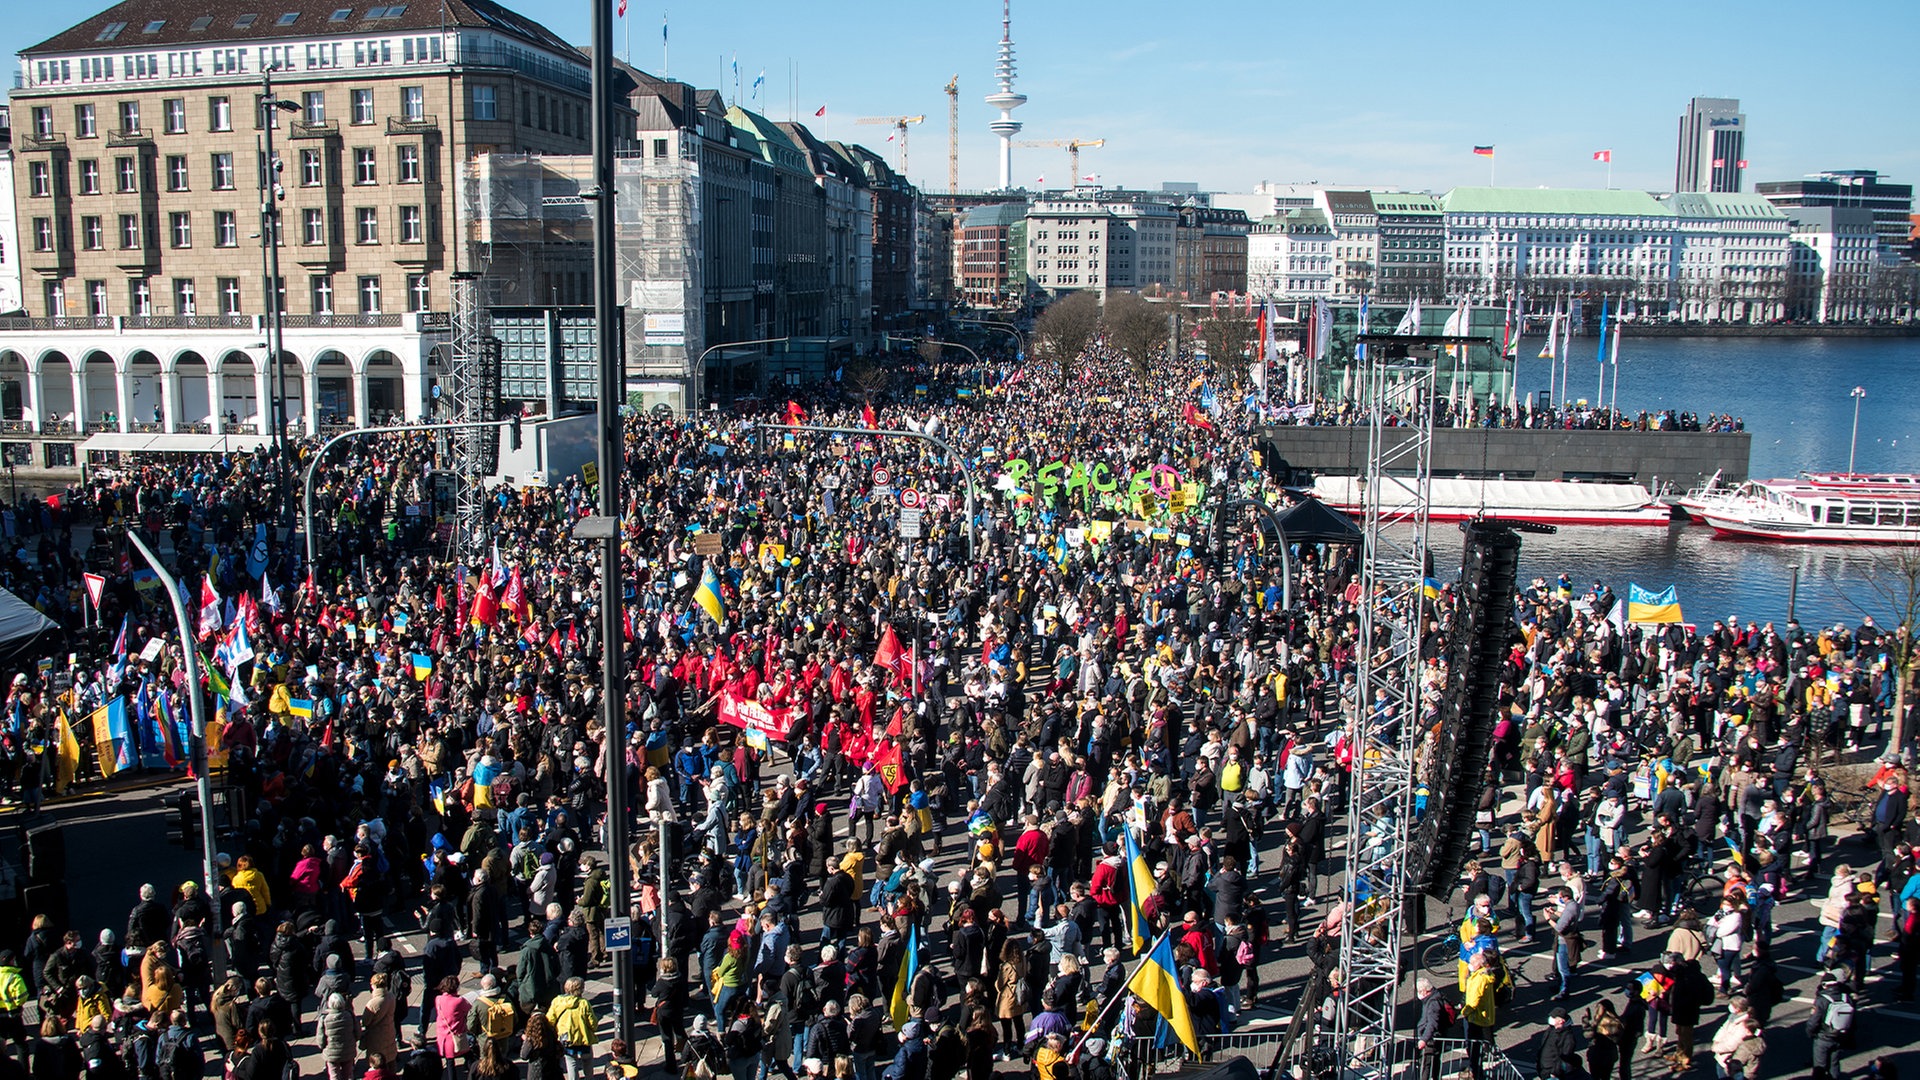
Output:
x=1005 y=99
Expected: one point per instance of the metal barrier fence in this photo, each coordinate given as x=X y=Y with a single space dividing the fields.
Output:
x=1143 y=1056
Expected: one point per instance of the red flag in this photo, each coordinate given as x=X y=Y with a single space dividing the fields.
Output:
x=867 y=417
x=890 y=655
x=210 y=621
x=326 y=736
x=795 y=414
x=893 y=771
x=821 y=111
x=1194 y=416
x=515 y=598
x=573 y=634
x=553 y=640
x=486 y=610
x=622 y=12
x=440 y=598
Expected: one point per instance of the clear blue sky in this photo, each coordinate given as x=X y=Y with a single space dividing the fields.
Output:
x=1232 y=92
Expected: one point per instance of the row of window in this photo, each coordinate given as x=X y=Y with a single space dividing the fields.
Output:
x=319 y=55
x=43 y=182
x=134 y=230
x=186 y=297
x=173 y=112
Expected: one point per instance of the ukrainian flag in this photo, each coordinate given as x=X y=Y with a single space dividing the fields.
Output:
x=1431 y=587
x=1140 y=885
x=901 y=1006
x=1157 y=982
x=1644 y=606
x=708 y=597
x=301 y=707
x=422 y=666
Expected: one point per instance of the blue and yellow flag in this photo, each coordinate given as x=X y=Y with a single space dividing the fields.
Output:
x=901 y=1005
x=422 y=666
x=1653 y=607
x=708 y=597
x=1430 y=587
x=1157 y=982
x=1139 y=886
x=301 y=707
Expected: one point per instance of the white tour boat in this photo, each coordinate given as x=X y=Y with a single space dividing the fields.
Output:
x=1804 y=511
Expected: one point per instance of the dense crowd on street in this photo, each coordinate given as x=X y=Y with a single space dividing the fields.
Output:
x=916 y=855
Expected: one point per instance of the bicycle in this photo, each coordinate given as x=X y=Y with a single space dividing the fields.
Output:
x=1442 y=957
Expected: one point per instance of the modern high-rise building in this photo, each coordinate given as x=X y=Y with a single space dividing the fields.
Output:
x=1712 y=156
x=1891 y=204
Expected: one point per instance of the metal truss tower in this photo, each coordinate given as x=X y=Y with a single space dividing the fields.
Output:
x=1383 y=731
x=473 y=394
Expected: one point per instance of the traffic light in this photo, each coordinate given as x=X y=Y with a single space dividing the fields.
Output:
x=514 y=432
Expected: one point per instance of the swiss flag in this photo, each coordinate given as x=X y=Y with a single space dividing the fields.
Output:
x=821 y=111
x=1603 y=155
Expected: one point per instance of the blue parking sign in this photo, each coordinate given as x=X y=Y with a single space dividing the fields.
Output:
x=619 y=933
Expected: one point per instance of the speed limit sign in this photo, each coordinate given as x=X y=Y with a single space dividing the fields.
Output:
x=882 y=478
x=911 y=498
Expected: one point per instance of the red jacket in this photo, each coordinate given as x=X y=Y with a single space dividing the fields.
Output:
x=1106 y=877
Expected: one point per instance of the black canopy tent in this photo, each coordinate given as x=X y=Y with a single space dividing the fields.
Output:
x=25 y=635
x=1313 y=522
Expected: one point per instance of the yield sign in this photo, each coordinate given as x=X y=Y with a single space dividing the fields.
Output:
x=96 y=588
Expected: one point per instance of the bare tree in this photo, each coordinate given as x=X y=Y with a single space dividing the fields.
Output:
x=864 y=378
x=1137 y=328
x=1226 y=337
x=930 y=352
x=1063 y=331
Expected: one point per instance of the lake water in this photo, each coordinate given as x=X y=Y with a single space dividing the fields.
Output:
x=1794 y=395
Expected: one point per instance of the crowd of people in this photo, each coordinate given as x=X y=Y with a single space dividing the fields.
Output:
x=923 y=800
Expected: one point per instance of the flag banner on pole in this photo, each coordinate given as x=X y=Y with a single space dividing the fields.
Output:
x=1139 y=887
x=901 y=1007
x=1645 y=606
x=112 y=739
x=1603 y=155
x=1483 y=151
x=66 y=761
x=1157 y=982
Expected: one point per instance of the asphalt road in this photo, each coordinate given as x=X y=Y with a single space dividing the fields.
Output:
x=117 y=842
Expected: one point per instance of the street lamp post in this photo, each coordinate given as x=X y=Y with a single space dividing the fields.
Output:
x=700 y=365
x=610 y=345
x=196 y=713
x=320 y=455
x=271 y=192
x=1859 y=392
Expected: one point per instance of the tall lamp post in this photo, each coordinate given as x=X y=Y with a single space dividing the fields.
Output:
x=196 y=713
x=271 y=192
x=611 y=348
x=1859 y=392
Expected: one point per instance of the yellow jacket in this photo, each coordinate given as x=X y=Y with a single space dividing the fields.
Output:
x=1478 y=1006
x=255 y=882
x=89 y=1007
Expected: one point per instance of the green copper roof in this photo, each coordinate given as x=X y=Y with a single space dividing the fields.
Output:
x=1484 y=200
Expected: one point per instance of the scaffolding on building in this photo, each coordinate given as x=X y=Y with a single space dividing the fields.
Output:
x=533 y=227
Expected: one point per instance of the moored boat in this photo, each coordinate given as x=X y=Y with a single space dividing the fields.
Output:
x=1805 y=512
x=1545 y=502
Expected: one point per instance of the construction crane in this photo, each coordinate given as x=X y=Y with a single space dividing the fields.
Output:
x=1074 y=146
x=953 y=136
x=899 y=126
